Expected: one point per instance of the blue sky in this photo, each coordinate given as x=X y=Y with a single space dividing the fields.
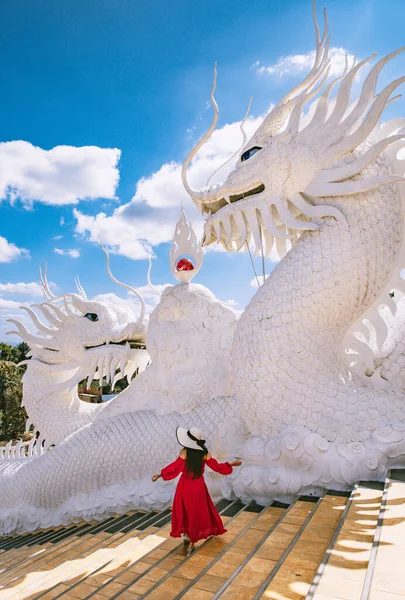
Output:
x=134 y=77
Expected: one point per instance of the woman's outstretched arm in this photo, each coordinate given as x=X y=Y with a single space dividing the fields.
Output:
x=171 y=471
x=224 y=468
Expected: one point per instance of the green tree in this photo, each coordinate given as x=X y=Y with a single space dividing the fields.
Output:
x=13 y=416
x=6 y=352
x=23 y=350
x=14 y=354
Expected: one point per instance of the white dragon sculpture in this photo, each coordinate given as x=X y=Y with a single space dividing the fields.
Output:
x=306 y=386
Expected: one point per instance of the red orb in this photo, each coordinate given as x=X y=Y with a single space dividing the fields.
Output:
x=185 y=265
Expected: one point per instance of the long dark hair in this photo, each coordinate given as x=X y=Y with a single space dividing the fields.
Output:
x=195 y=461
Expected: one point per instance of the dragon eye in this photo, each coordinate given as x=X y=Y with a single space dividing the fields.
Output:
x=249 y=153
x=91 y=317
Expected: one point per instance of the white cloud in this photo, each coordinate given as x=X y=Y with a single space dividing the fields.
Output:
x=57 y=237
x=28 y=289
x=254 y=283
x=62 y=175
x=295 y=64
x=131 y=305
x=149 y=218
x=62 y=221
x=150 y=296
x=9 y=304
x=9 y=309
x=232 y=303
x=10 y=252
x=70 y=252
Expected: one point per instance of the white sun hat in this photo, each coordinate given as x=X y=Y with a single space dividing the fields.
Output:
x=190 y=438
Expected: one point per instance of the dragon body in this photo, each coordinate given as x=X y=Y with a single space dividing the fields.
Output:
x=190 y=332
x=306 y=386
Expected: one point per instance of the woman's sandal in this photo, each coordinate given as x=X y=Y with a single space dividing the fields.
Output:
x=186 y=539
x=190 y=549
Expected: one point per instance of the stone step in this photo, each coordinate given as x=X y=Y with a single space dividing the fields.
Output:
x=338 y=547
x=93 y=580
x=56 y=561
x=12 y=542
x=244 y=562
x=167 y=577
x=263 y=562
x=27 y=550
x=386 y=577
x=343 y=570
x=49 y=538
x=149 y=567
x=296 y=568
x=121 y=541
x=223 y=560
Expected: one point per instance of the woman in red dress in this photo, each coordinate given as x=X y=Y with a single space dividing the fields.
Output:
x=194 y=515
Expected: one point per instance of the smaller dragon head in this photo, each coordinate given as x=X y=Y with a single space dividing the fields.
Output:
x=93 y=339
x=294 y=160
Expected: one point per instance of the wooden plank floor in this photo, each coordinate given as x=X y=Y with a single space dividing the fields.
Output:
x=313 y=549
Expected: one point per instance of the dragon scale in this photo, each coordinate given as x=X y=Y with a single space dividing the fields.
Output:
x=55 y=420
x=287 y=362
x=79 y=478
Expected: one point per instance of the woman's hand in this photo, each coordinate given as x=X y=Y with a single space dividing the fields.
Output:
x=156 y=477
x=236 y=463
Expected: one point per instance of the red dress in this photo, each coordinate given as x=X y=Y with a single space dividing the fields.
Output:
x=193 y=510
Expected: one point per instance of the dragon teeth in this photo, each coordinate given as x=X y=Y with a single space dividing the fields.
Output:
x=130 y=370
x=267 y=219
x=235 y=230
x=92 y=372
x=113 y=368
x=207 y=233
x=101 y=371
x=216 y=226
x=252 y=219
x=123 y=363
x=281 y=247
x=117 y=377
x=242 y=229
x=268 y=239
x=107 y=368
x=227 y=225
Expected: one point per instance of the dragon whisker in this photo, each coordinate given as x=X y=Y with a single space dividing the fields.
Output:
x=124 y=285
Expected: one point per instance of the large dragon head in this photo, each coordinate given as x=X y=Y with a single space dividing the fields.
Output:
x=290 y=163
x=88 y=338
